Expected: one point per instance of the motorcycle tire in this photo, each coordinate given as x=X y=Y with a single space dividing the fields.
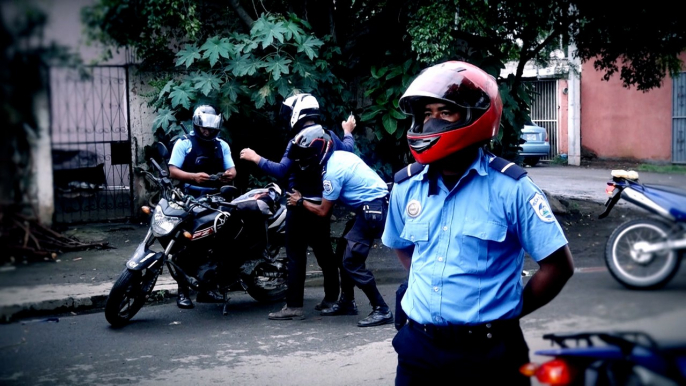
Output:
x=128 y=295
x=637 y=270
x=267 y=285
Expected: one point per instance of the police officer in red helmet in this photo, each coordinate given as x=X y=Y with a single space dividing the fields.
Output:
x=462 y=220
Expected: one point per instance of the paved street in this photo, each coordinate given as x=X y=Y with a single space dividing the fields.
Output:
x=168 y=346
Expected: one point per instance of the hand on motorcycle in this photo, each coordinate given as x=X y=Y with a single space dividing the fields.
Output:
x=293 y=198
x=201 y=177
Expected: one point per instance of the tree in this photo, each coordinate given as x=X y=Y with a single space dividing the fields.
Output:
x=251 y=57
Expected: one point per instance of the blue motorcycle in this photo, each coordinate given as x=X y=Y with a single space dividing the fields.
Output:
x=645 y=253
x=609 y=358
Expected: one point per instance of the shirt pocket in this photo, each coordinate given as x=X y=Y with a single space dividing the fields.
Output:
x=478 y=239
x=416 y=233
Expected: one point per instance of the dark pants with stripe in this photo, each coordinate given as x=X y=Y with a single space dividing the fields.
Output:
x=359 y=236
x=304 y=229
x=487 y=354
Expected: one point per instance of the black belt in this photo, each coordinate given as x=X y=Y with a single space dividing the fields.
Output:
x=491 y=330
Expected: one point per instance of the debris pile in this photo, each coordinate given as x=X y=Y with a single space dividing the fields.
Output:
x=26 y=239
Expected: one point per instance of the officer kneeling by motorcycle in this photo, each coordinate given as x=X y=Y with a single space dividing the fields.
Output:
x=195 y=157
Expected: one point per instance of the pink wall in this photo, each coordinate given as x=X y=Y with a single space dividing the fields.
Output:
x=563 y=107
x=625 y=123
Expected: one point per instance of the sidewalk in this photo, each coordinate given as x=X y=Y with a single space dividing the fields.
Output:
x=81 y=281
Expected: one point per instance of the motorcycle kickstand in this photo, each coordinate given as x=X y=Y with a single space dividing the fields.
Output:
x=225 y=308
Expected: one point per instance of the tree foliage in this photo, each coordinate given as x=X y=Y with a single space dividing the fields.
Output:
x=361 y=55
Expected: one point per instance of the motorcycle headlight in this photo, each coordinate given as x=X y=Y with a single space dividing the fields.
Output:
x=162 y=225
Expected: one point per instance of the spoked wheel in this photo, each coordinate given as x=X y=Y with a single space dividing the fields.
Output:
x=129 y=294
x=634 y=268
x=268 y=283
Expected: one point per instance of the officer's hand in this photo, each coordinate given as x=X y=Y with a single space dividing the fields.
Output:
x=349 y=125
x=225 y=177
x=199 y=178
x=293 y=197
x=249 y=154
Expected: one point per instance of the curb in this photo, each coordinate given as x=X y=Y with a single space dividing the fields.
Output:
x=31 y=302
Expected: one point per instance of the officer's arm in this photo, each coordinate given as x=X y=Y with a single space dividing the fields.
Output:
x=548 y=281
x=180 y=175
x=322 y=210
x=229 y=174
x=405 y=256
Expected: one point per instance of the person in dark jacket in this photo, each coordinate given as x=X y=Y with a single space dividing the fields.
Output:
x=303 y=228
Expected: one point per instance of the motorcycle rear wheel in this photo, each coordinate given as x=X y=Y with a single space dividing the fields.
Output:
x=267 y=285
x=637 y=270
x=128 y=295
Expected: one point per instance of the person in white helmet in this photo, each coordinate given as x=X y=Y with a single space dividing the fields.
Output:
x=303 y=228
x=194 y=158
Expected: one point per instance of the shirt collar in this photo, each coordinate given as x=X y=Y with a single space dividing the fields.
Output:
x=480 y=166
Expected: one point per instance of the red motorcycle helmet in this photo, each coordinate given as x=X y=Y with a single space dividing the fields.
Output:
x=465 y=88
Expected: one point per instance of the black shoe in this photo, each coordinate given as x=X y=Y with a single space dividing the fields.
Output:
x=380 y=315
x=183 y=301
x=324 y=304
x=209 y=297
x=346 y=307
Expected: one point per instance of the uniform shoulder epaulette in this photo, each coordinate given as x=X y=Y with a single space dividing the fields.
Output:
x=407 y=172
x=508 y=168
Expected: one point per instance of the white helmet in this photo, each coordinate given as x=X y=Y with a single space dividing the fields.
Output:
x=300 y=108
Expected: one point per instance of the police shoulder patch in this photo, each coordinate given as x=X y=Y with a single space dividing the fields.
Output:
x=328 y=188
x=541 y=207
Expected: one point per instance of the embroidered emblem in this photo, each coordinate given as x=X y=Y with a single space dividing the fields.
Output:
x=541 y=208
x=328 y=188
x=414 y=208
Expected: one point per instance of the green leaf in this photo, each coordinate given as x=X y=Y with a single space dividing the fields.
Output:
x=187 y=55
x=165 y=89
x=371 y=113
x=206 y=82
x=215 y=47
x=390 y=124
x=378 y=73
x=230 y=90
x=182 y=95
x=260 y=96
x=397 y=114
x=309 y=46
x=163 y=118
x=277 y=66
x=244 y=65
x=394 y=72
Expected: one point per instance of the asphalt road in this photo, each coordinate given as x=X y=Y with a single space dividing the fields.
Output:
x=167 y=346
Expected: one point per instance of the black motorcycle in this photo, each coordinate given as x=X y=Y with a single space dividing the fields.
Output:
x=217 y=242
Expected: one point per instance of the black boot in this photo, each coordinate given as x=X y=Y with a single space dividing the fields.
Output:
x=344 y=306
x=379 y=315
x=183 y=300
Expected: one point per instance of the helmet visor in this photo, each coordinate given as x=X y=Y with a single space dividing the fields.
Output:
x=210 y=121
x=445 y=84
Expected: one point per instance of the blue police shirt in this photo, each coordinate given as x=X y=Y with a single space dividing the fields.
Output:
x=183 y=146
x=469 y=243
x=348 y=178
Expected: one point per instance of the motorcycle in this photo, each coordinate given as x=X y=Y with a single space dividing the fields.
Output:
x=645 y=253
x=609 y=358
x=216 y=242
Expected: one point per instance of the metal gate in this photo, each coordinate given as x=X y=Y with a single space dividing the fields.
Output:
x=679 y=119
x=544 y=108
x=91 y=144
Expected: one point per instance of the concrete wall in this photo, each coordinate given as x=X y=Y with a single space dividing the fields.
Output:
x=617 y=122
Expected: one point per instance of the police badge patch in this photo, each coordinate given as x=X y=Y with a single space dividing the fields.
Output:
x=542 y=208
x=328 y=188
x=414 y=208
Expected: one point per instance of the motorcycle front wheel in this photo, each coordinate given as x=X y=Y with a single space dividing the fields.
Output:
x=129 y=294
x=633 y=268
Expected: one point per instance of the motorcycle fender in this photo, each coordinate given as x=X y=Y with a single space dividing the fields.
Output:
x=143 y=258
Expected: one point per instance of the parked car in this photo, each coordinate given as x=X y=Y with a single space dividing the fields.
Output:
x=535 y=144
